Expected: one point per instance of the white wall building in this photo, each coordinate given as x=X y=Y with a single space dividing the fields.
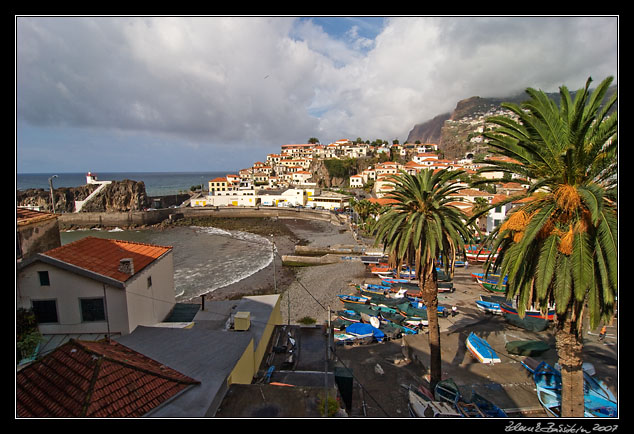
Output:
x=97 y=285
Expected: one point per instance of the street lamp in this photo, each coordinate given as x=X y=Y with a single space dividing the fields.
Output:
x=50 y=183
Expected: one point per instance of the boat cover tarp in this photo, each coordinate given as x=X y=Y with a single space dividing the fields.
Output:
x=527 y=348
x=365 y=329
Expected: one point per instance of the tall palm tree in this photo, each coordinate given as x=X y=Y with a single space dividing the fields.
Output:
x=560 y=245
x=423 y=226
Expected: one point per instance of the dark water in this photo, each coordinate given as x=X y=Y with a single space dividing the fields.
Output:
x=156 y=183
x=204 y=258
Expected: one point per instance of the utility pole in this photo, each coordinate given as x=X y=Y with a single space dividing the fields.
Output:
x=50 y=183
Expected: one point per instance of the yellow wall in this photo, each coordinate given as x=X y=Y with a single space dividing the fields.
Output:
x=243 y=372
x=251 y=359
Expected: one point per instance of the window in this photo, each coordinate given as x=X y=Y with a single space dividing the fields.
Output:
x=149 y=282
x=45 y=311
x=92 y=309
x=44 y=280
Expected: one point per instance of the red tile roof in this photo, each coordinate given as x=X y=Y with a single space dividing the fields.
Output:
x=102 y=256
x=95 y=379
x=26 y=216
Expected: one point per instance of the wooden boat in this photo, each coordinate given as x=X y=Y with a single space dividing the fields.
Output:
x=364 y=330
x=598 y=399
x=488 y=408
x=490 y=304
x=481 y=349
x=485 y=276
x=532 y=313
x=421 y=405
x=478 y=406
x=527 y=347
x=345 y=298
x=527 y=323
x=492 y=286
x=489 y=307
x=349 y=315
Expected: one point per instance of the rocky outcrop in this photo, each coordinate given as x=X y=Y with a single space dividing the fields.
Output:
x=118 y=196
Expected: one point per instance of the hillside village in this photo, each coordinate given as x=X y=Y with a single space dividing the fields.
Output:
x=294 y=177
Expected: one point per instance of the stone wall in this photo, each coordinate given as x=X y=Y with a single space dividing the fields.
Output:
x=142 y=218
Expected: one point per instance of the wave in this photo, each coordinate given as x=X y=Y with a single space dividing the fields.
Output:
x=225 y=267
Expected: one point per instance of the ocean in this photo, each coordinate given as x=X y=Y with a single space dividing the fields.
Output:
x=156 y=183
x=205 y=258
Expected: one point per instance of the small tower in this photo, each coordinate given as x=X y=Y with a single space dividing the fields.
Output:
x=91 y=178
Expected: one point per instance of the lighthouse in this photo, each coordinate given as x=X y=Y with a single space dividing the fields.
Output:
x=91 y=178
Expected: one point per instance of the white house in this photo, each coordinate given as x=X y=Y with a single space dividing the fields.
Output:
x=356 y=181
x=97 y=285
x=288 y=197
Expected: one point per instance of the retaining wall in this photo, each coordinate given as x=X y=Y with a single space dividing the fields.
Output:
x=140 y=218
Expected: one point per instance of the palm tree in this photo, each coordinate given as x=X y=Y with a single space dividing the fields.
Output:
x=421 y=225
x=560 y=245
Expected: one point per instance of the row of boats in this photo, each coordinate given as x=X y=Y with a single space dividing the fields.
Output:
x=447 y=401
x=393 y=308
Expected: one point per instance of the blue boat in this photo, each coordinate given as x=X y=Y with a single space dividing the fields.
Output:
x=599 y=401
x=481 y=349
x=344 y=298
x=478 y=406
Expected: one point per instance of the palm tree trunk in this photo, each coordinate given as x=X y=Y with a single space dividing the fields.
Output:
x=429 y=289
x=569 y=346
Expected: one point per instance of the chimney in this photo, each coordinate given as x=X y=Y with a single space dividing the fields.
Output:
x=126 y=265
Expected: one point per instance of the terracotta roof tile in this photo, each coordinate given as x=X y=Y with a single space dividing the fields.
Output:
x=102 y=256
x=26 y=216
x=95 y=379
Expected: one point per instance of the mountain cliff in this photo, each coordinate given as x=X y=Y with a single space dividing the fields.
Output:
x=458 y=132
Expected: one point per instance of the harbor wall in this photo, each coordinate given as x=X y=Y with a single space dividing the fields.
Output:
x=152 y=217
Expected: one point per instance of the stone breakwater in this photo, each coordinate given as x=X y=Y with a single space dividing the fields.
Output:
x=154 y=217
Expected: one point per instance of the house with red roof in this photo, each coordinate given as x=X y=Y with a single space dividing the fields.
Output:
x=97 y=286
x=83 y=379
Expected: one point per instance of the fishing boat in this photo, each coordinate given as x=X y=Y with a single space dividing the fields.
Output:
x=487 y=407
x=478 y=406
x=349 y=315
x=478 y=254
x=364 y=330
x=447 y=391
x=598 y=399
x=492 y=286
x=481 y=349
x=490 y=304
x=443 y=286
x=421 y=405
x=347 y=298
x=485 y=276
x=532 y=313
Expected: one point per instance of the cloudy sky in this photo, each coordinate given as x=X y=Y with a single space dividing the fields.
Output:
x=219 y=93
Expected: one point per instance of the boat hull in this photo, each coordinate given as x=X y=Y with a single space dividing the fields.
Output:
x=481 y=350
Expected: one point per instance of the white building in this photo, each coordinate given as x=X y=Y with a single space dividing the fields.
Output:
x=356 y=181
x=97 y=286
x=290 y=197
x=329 y=200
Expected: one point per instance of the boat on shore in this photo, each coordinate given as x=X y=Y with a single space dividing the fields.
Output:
x=599 y=401
x=490 y=304
x=421 y=405
x=492 y=285
x=481 y=349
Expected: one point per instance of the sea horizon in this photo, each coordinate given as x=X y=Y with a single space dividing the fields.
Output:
x=157 y=183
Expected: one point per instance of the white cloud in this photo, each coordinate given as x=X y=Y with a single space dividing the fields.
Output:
x=216 y=81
